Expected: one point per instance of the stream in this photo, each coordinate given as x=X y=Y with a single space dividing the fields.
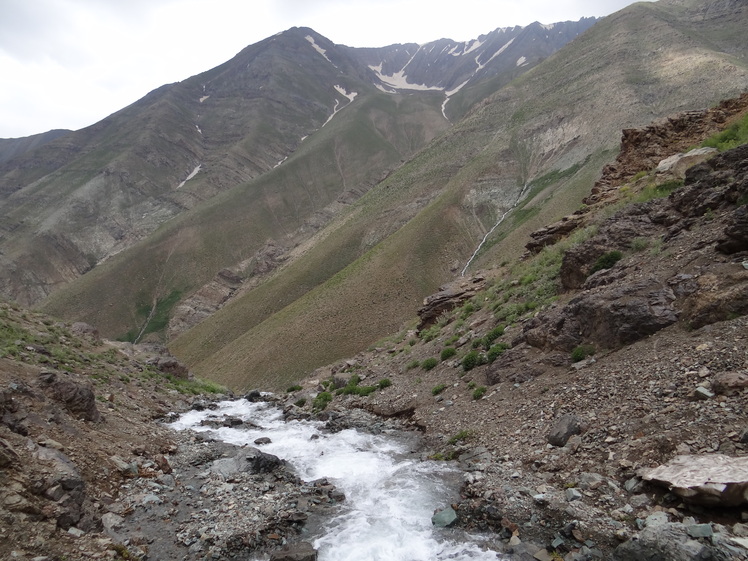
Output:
x=390 y=492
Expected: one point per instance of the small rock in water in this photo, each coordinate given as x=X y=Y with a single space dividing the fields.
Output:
x=263 y=440
x=444 y=518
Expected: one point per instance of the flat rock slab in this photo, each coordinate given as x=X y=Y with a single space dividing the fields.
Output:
x=713 y=479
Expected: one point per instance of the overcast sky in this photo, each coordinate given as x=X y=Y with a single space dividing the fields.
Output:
x=70 y=63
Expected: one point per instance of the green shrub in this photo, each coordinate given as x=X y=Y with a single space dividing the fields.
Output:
x=436 y=390
x=471 y=360
x=448 y=352
x=321 y=401
x=413 y=364
x=606 y=261
x=581 y=352
x=293 y=389
x=496 y=351
x=492 y=335
x=429 y=363
x=467 y=309
x=479 y=392
x=384 y=383
x=300 y=402
x=462 y=435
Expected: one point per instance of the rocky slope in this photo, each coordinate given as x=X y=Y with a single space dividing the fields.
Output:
x=557 y=407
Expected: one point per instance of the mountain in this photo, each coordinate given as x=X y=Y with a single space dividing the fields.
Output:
x=74 y=203
x=313 y=259
x=13 y=147
x=535 y=146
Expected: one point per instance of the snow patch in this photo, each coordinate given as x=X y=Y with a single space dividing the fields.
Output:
x=342 y=91
x=493 y=56
x=191 y=175
x=198 y=129
x=399 y=81
x=474 y=45
x=521 y=61
x=548 y=26
x=337 y=107
x=204 y=98
x=319 y=49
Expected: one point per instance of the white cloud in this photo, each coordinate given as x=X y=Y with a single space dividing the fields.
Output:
x=70 y=63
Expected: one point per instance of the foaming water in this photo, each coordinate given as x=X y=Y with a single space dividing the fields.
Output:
x=390 y=494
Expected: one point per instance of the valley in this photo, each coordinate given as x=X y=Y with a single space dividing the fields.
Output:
x=526 y=253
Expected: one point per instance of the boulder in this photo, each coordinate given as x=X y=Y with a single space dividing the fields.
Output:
x=607 y=316
x=564 y=428
x=249 y=460
x=677 y=164
x=711 y=479
x=729 y=383
x=449 y=297
x=78 y=399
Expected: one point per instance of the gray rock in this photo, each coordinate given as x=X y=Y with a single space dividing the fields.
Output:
x=563 y=429
x=248 y=460
x=303 y=551
x=573 y=494
x=656 y=519
x=111 y=523
x=703 y=394
x=700 y=530
x=475 y=459
x=668 y=542
x=633 y=485
x=444 y=518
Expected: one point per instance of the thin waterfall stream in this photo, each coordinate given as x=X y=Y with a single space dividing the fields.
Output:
x=390 y=492
x=491 y=231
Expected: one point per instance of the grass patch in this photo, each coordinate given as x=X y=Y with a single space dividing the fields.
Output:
x=439 y=388
x=657 y=191
x=459 y=437
x=732 y=137
x=195 y=386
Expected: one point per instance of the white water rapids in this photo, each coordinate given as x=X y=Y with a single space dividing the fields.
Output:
x=390 y=493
